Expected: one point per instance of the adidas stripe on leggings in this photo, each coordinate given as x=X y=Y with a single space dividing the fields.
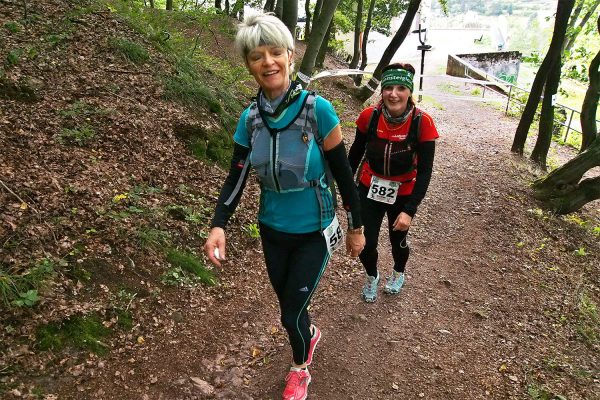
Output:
x=372 y=213
x=295 y=263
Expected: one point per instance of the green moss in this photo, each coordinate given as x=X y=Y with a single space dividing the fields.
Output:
x=190 y=263
x=83 y=332
x=12 y=26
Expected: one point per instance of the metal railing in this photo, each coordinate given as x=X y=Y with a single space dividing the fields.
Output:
x=510 y=95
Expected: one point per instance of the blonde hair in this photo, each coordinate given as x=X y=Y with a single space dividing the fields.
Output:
x=260 y=30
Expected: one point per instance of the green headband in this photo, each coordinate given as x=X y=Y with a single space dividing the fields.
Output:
x=397 y=77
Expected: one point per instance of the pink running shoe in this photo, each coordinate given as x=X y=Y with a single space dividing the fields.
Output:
x=313 y=343
x=296 y=387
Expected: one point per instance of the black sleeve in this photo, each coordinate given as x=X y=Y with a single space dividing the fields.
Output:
x=357 y=150
x=425 y=155
x=234 y=185
x=340 y=168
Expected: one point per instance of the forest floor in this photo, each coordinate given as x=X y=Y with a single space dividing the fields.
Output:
x=500 y=302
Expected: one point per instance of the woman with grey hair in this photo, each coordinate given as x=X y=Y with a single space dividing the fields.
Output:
x=293 y=141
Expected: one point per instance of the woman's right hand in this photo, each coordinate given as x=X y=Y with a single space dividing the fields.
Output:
x=215 y=240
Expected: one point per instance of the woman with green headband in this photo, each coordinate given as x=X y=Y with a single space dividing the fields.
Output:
x=394 y=147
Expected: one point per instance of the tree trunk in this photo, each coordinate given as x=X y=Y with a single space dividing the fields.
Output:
x=365 y=42
x=307 y=22
x=590 y=102
x=562 y=192
x=324 y=46
x=169 y=5
x=368 y=90
x=151 y=3
x=320 y=27
x=227 y=9
x=357 y=32
x=318 y=8
x=542 y=145
x=290 y=15
x=558 y=36
x=279 y=9
x=269 y=6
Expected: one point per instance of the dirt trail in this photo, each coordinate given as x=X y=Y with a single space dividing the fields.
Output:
x=469 y=321
x=476 y=319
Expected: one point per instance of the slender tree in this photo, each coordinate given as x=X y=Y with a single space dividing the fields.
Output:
x=269 y=6
x=169 y=5
x=279 y=8
x=588 y=7
x=318 y=7
x=320 y=26
x=563 y=190
x=325 y=45
x=307 y=21
x=563 y=11
x=365 y=41
x=290 y=15
x=357 y=32
x=546 y=125
x=590 y=101
x=368 y=90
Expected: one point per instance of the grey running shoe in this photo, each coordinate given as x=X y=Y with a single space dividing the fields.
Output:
x=369 y=291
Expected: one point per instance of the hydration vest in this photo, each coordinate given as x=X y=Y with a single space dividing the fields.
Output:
x=280 y=156
x=388 y=157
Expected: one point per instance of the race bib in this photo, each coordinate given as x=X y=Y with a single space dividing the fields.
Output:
x=383 y=190
x=334 y=235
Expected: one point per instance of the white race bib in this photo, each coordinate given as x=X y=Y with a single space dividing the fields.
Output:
x=383 y=190
x=334 y=235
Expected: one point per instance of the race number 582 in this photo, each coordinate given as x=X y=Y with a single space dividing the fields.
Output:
x=383 y=190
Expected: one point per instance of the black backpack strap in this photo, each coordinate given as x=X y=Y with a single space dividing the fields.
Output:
x=415 y=128
x=373 y=120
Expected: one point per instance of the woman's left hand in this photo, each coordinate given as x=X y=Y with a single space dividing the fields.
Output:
x=402 y=222
x=355 y=243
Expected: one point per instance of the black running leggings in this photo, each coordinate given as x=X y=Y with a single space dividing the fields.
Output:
x=295 y=263
x=372 y=213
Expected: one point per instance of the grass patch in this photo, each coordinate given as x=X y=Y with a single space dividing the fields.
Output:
x=13 y=57
x=83 y=332
x=12 y=26
x=21 y=289
x=153 y=238
x=79 y=136
x=131 y=50
x=433 y=102
x=588 y=324
x=80 y=109
x=449 y=88
x=186 y=87
x=338 y=106
x=190 y=263
x=540 y=392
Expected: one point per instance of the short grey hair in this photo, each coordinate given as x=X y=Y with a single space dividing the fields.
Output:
x=260 y=30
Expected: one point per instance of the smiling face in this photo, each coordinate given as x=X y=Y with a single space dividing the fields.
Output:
x=395 y=98
x=270 y=66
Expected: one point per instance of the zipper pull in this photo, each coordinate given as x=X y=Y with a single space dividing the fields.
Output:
x=304 y=137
